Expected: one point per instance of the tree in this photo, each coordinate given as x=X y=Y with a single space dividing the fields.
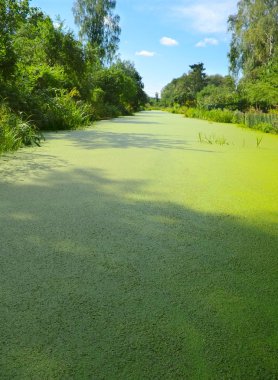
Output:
x=262 y=92
x=196 y=79
x=254 y=35
x=183 y=90
x=99 y=26
x=221 y=96
x=140 y=98
x=12 y=14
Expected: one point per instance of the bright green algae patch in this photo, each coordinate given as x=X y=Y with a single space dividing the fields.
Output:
x=132 y=250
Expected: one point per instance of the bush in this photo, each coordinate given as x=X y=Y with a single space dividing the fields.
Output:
x=14 y=132
x=61 y=112
x=105 y=111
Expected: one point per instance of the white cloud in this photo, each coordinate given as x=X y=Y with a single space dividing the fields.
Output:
x=145 y=53
x=205 y=16
x=207 y=41
x=167 y=41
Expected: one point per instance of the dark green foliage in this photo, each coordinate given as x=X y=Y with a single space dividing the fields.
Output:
x=12 y=15
x=54 y=80
x=62 y=112
x=138 y=98
x=196 y=79
x=14 y=132
x=184 y=90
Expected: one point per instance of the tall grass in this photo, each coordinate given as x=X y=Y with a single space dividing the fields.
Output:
x=14 y=132
x=260 y=121
x=61 y=111
x=212 y=139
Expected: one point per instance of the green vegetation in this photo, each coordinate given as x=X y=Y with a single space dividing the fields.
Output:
x=259 y=141
x=264 y=122
x=98 y=25
x=52 y=81
x=249 y=96
x=14 y=132
x=132 y=251
x=212 y=139
x=267 y=123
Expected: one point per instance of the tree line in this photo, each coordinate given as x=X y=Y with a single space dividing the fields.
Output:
x=50 y=80
x=252 y=85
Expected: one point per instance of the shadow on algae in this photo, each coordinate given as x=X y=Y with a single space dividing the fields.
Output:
x=107 y=287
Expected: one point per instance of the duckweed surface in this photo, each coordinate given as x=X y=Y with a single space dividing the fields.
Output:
x=132 y=250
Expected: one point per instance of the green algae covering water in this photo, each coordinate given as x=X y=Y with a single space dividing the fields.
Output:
x=137 y=249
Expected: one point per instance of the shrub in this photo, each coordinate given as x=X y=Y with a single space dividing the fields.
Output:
x=62 y=112
x=105 y=111
x=14 y=132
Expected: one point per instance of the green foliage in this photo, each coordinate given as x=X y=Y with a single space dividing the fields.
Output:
x=138 y=98
x=14 y=132
x=221 y=96
x=261 y=91
x=196 y=79
x=221 y=116
x=63 y=112
x=264 y=122
x=267 y=123
x=12 y=15
x=118 y=88
x=98 y=25
x=254 y=52
x=53 y=79
x=184 y=89
x=254 y=36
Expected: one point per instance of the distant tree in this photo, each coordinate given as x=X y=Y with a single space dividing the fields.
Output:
x=196 y=79
x=99 y=26
x=183 y=90
x=221 y=96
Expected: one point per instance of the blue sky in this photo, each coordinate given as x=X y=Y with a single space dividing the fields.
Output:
x=164 y=37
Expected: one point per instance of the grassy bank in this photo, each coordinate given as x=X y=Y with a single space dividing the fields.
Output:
x=267 y=123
